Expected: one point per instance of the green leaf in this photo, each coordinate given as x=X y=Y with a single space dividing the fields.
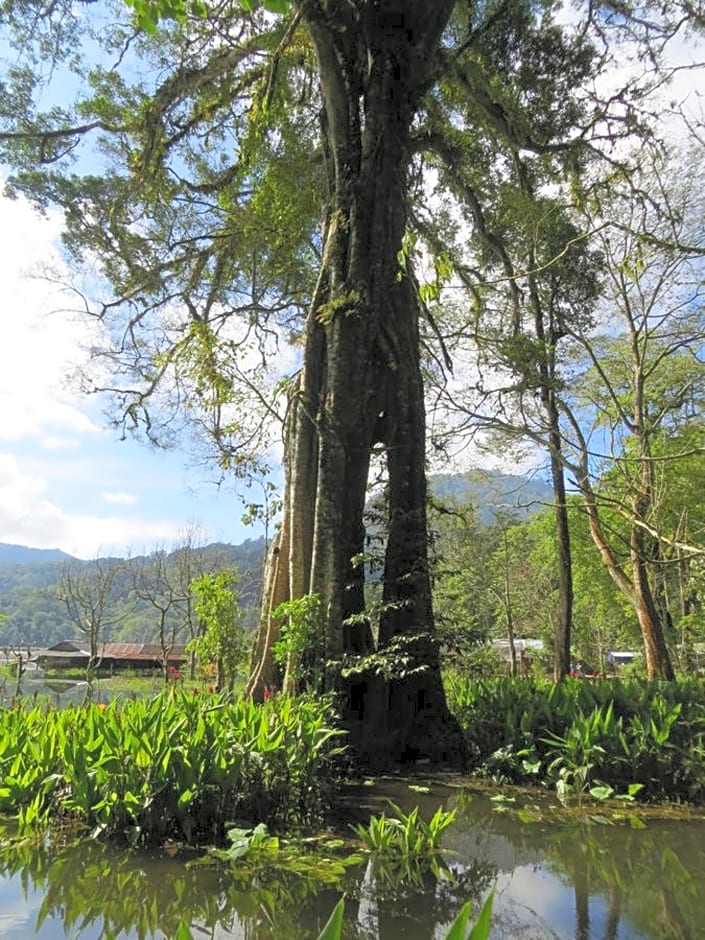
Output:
x=459 y=927
x=481 y=930
x=333 y=930
x=276 y=6
x=602 y=792
x=183 y=932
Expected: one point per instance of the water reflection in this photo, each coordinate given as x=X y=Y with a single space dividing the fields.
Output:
x=587 y=877
x=578 y=879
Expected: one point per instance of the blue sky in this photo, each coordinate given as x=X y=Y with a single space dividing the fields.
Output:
x=66 y=481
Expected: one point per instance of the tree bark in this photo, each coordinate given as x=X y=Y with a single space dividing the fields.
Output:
x=361 y=386
x=636 y=588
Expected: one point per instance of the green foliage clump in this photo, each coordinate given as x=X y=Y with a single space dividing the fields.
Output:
x=300 y=648
x=179 y=765
x=222 y=642
x=405 y=836
x=605 y=739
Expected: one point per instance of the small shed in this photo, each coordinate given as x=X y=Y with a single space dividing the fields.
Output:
x=524 y=649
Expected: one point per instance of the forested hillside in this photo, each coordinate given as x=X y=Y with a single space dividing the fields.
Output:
x=35 y=614
x=29 y=577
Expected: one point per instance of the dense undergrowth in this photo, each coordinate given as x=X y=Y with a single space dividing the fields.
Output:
x=599 y=738
x=178 y=766
x=188 y=766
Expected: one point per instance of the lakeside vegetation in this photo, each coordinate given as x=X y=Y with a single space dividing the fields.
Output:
x=184 y=764
x=256 y=787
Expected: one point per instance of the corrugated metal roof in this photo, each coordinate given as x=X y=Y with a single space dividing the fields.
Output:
x=140 y=651
x=145 y=652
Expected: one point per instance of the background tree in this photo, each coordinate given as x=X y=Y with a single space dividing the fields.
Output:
x=190 y=560
x=644 y=381
x=87 y=591
x=155 y=582
x=222 y=641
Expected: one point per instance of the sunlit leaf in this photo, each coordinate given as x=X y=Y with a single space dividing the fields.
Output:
x=481 y=928
x=333 y=929
x=183 y=932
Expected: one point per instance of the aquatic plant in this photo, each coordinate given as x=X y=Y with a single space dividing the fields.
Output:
x=637 y=737
x=404 y=836
x=179 y=765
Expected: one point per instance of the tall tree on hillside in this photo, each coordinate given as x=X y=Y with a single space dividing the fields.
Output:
x=256 y=184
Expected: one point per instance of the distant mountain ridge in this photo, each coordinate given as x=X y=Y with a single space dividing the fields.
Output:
x=489 y=490
x=492 y=492
x=33 y=613
x=21 y=555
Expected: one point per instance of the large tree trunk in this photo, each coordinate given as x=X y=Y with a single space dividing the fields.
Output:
x=361 y=388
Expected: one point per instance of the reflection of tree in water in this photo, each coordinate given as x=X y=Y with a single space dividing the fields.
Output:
x=649 y=878
x=648 y=882
x=646 y=876
x=91 y=886
x=385 y=908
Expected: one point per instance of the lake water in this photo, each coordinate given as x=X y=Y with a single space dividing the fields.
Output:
x=576 y=876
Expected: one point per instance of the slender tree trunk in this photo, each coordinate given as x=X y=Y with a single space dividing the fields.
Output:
x=658 y=660
x=548 y=336
x=508 y=611
x=564 y=623
x=361 y=386
x=635 y=588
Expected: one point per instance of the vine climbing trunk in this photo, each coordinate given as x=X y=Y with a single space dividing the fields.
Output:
x=361 y=389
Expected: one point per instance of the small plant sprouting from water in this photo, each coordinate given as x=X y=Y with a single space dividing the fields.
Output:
x=405 y=837
x=256 y=854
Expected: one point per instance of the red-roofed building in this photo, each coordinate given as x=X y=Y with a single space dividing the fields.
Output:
x=74 y=654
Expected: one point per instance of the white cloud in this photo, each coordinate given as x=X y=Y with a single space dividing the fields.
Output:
x=43 y=339
x=27 y=517
x=55 y=443
x=122 y=499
